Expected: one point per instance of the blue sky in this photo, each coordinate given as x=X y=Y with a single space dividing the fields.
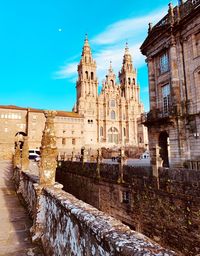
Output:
x=41 y=44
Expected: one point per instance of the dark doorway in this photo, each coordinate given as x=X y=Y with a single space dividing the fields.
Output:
x=164 y=145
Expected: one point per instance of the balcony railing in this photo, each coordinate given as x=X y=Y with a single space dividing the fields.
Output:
x=157 y=115
x=179 y=12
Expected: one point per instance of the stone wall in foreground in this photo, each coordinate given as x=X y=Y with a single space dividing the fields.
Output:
x=166 y=210
x=68 y=226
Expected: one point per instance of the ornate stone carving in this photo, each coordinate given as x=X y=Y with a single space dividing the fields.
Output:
x=49 y=151
x=25 y=154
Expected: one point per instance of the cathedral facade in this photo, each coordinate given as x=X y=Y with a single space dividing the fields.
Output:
x=110 y=119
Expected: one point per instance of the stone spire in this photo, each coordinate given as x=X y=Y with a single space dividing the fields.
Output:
x=127 y=60
x=110 y=70
x=86 y=47
x=110 y=77
x=87 y=83
x=127 y=76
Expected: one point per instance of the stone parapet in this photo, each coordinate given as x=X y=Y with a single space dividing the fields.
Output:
x=69 y=226
x=168 y=213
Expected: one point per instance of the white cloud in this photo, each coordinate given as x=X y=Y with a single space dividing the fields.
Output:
x=128 y=28
x=66 y=71
x=109 y=45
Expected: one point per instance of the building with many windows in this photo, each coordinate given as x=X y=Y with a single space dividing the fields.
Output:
x=172 y=48
x=110 y=119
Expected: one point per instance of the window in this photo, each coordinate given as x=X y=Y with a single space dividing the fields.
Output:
x=112 y=114
x=92 y=75
x=63 y=141
x=166 y=97
x=197 y=43
x=86 y=74
x=124 y=131
x=112 y=103
x=129 y=81
x=164 y=63
x=112 y=82
x=113 y=135
x=101 y=131
x=73 y=141
x=125 y=197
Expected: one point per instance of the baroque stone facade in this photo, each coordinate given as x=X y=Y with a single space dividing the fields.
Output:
x=110 y=119
x=172 y=48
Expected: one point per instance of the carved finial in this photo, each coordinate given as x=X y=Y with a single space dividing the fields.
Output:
x=150 y=27
x=180 y=2
x=170 y=5
x=171 y=13
x=126 y=48
x=110 y=68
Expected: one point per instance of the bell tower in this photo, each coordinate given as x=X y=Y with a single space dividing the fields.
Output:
x=128 y=77
x=87 y=83
x=87 y=93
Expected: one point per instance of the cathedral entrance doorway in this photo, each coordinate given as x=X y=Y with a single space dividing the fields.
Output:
x=113 y=135
x=164 y=148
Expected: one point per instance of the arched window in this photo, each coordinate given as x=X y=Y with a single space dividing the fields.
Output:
x=112 y=103
x=101 y=131
x=113 y=135
x=133 y=80
x=112 y=82
x=92 y=75
x=112 y=115
x=129 y=81
x=86 y=74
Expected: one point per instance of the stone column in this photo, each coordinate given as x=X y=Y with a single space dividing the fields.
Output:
x=25 y=155
x=152 y=83
x=121 y=165
x=48 y=163
x=17 y=156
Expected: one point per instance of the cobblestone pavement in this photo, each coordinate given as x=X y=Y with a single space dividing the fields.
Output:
x=15 y=224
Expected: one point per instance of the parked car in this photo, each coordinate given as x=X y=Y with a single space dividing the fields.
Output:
x=34 y=151
x=34 y=157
